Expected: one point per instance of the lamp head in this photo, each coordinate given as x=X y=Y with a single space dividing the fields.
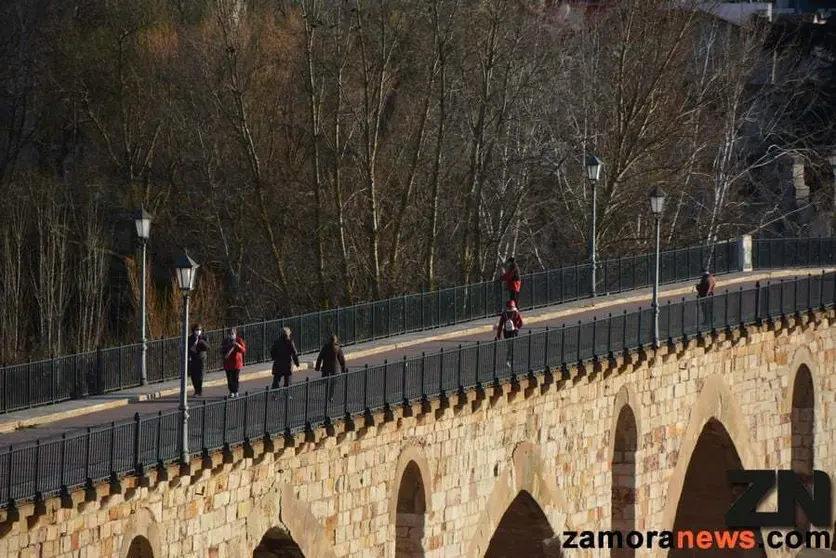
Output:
x=186 y=269
x=593 y=168
x=142 y=219
x=657 y=200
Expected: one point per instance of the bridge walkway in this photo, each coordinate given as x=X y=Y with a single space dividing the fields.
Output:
x=72 y=416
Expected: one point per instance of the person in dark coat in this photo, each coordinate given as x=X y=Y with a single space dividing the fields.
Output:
x=197 y=358
x=706 y=285
x=284 y=355
x=512 y=279
x=705 y=288
x=331 y=362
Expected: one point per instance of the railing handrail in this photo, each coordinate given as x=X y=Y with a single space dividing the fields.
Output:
x=153 y=440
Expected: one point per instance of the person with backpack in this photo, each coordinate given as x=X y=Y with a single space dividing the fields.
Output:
x=510 y=323
x=233 y=350
x=284 y=355
x=512 y=279
x=331 y=361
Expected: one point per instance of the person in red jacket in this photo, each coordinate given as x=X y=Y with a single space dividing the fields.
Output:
x=510 y=322
x=233 y=350
x=512 y=279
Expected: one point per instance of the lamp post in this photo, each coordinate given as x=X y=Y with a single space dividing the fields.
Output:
x=142 y=219
x=186 y=269
x=593 y=173
x=657 y=203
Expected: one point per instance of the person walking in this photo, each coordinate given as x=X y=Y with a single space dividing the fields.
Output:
x=197 y=358
x=706 y=285
x=510 y=322
x=233 y=350
x=512 y=279
x=331 y=362
x=284 y=355
x=705 y=288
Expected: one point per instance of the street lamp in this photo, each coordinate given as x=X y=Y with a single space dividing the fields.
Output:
x=593 y=173
x=186 y=269
x=657 y=204
x=142 y=219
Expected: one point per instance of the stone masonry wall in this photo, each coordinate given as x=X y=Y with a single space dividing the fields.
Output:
x=335 y=492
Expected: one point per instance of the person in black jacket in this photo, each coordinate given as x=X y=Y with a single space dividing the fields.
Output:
x=331 y=362
x=284 y=355
x=197 y=358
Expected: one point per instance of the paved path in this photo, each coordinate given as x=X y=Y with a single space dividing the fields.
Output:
x=73 y=416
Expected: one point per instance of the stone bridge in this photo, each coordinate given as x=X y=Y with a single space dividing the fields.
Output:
x=639 y=442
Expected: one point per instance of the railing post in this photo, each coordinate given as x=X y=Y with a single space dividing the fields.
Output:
x=423 y=325
x=62 y=480
x=403 y=383
x=99 y=370
x=478 y=354
x=53 y=388
x=389 y=317
x=225 y=422
x=264 y=343
x=639 y=329
x=203 y=444
x=594 y=336
x=546 y=350
x=88 y=447
x=36 y=469
x=403 y=313
x=529 y=351
x=374 y=321
x=137 y=444
x=385 y=381
x=609 y=333
x=624 y=331
x=438 y=306
x=563 y=344
x=758 y=302
x=113 y=447
x=781 y=297
x=366 y=388
x=266 y=413
x=809 y=291
x=458 y=368
x=158 y=442
x=548 y=287
x=307 y=403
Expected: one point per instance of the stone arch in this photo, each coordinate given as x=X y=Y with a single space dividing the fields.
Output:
x=522 y=530
x=141 y=536
x=707 y=494
x=411 y=453
x=623 y=473
x=526 y=473
x=277 y=543
x=625 y=396
x=802 y=427
x=715 y=401
x=281 y=516
x=140 y=548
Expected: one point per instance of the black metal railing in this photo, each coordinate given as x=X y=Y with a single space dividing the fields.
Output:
x=108 y=370
x=45 y=468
